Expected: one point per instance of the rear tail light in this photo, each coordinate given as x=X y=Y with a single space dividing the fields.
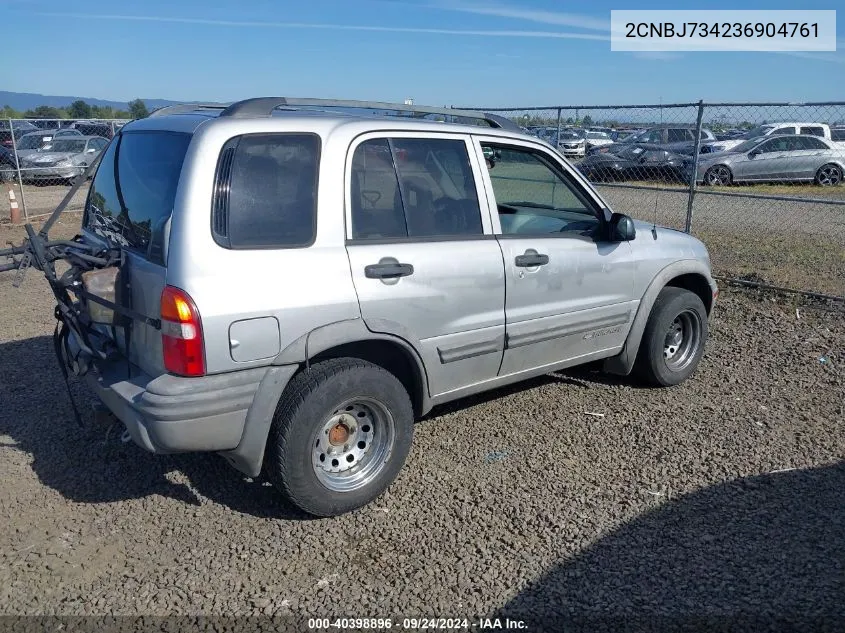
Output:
x=181 y=334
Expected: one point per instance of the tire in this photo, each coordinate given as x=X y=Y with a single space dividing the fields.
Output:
x=319 y=456
x=665 y=358
x=829 y=175
x=718 y=175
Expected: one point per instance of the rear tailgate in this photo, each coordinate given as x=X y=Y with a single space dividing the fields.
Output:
x=130 y=204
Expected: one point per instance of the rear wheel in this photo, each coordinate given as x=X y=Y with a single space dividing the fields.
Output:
x=674 y=338
x=340 y=436
x=718 y=175
x=829 y=175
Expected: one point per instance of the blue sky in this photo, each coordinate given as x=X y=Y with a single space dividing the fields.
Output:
x=440 y=52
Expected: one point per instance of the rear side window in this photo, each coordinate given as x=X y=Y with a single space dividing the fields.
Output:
x=814 y=131
x=679 y=135
x=132 y=195
x=266 y=191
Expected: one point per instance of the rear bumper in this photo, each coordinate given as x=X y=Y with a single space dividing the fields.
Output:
x=171 y=414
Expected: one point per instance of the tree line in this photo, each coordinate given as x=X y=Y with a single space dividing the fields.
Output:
x=79 y=109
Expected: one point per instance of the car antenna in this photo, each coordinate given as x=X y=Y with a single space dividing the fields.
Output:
x=657 y=191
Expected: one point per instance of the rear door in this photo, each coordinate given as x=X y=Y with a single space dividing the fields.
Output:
x=129 y=204
x=425 y=264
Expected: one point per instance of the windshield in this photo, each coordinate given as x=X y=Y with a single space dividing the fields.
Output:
x=747 y=146
x=570 y=135
x=33 y=142
x=67 y=145
x=760 y=130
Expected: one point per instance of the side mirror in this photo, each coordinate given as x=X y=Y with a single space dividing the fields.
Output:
x=753 y=153
x=622 y=228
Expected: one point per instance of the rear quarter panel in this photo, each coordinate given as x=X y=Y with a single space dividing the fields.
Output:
x=303 y=288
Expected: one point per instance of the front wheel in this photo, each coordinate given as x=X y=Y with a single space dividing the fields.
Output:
x=674 y=338
x=829 y=175
x=718 y=175
x=340 y=436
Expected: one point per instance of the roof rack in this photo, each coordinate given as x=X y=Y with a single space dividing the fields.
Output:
x=264 y=106
x=181 y=108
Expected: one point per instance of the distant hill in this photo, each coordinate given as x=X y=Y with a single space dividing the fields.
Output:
x=30 y=100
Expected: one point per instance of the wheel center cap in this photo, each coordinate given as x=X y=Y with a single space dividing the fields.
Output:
x=339 y=434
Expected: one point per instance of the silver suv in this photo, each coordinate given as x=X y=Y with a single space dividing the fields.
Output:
x=297 y=283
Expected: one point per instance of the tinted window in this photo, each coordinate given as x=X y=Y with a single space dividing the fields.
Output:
x=814 y=131
x=837 y=135
x=650 y=136
x=132 y=208
x=679 y=135
x=413 y=188
x=534 y=197
x=375 y=201
x=68 y=145
x=784 y=130
x=780 y=144
x=266 y=191
x=809 y=142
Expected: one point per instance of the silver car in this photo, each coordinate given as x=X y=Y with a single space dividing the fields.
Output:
x=787 y=158
x=296 y=287
x=33 y=142
x=64 y=159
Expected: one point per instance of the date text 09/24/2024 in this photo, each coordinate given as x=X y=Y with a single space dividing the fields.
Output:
x=416 y=624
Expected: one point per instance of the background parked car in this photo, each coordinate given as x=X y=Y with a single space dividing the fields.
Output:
x=66 y=159
x=33 y=142
x=20 y=128
x=768 y=129
x=8 y=165
x=634 y=162
x=670 y=137
x=789 y=158
x=105 y=129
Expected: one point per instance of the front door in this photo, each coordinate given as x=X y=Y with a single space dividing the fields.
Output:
x=424 y=261
x=770 y=161
x=568 y=289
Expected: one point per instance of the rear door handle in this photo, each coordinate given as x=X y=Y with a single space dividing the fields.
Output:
x=388 y=270
x=531 y=259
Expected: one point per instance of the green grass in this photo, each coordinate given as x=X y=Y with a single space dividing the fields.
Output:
x=788 y=260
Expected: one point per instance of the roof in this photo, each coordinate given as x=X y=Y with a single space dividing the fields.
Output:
x=336 y=110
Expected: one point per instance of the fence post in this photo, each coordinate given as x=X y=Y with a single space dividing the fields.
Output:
x=694 y=175
x=18 y=169
x=559 y=110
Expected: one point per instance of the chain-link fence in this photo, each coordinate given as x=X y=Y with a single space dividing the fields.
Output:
x=40 y=158
x=761 y=184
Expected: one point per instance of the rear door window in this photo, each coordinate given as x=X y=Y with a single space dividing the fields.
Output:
x=679 y=135
x=812 y=130
x=266 y=191
x=132 y=195
x=413 y=188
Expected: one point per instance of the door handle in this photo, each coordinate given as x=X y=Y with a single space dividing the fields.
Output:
x=531 y=259
x=388 y=270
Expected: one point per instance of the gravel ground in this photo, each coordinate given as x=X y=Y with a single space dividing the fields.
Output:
x=570 y=496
